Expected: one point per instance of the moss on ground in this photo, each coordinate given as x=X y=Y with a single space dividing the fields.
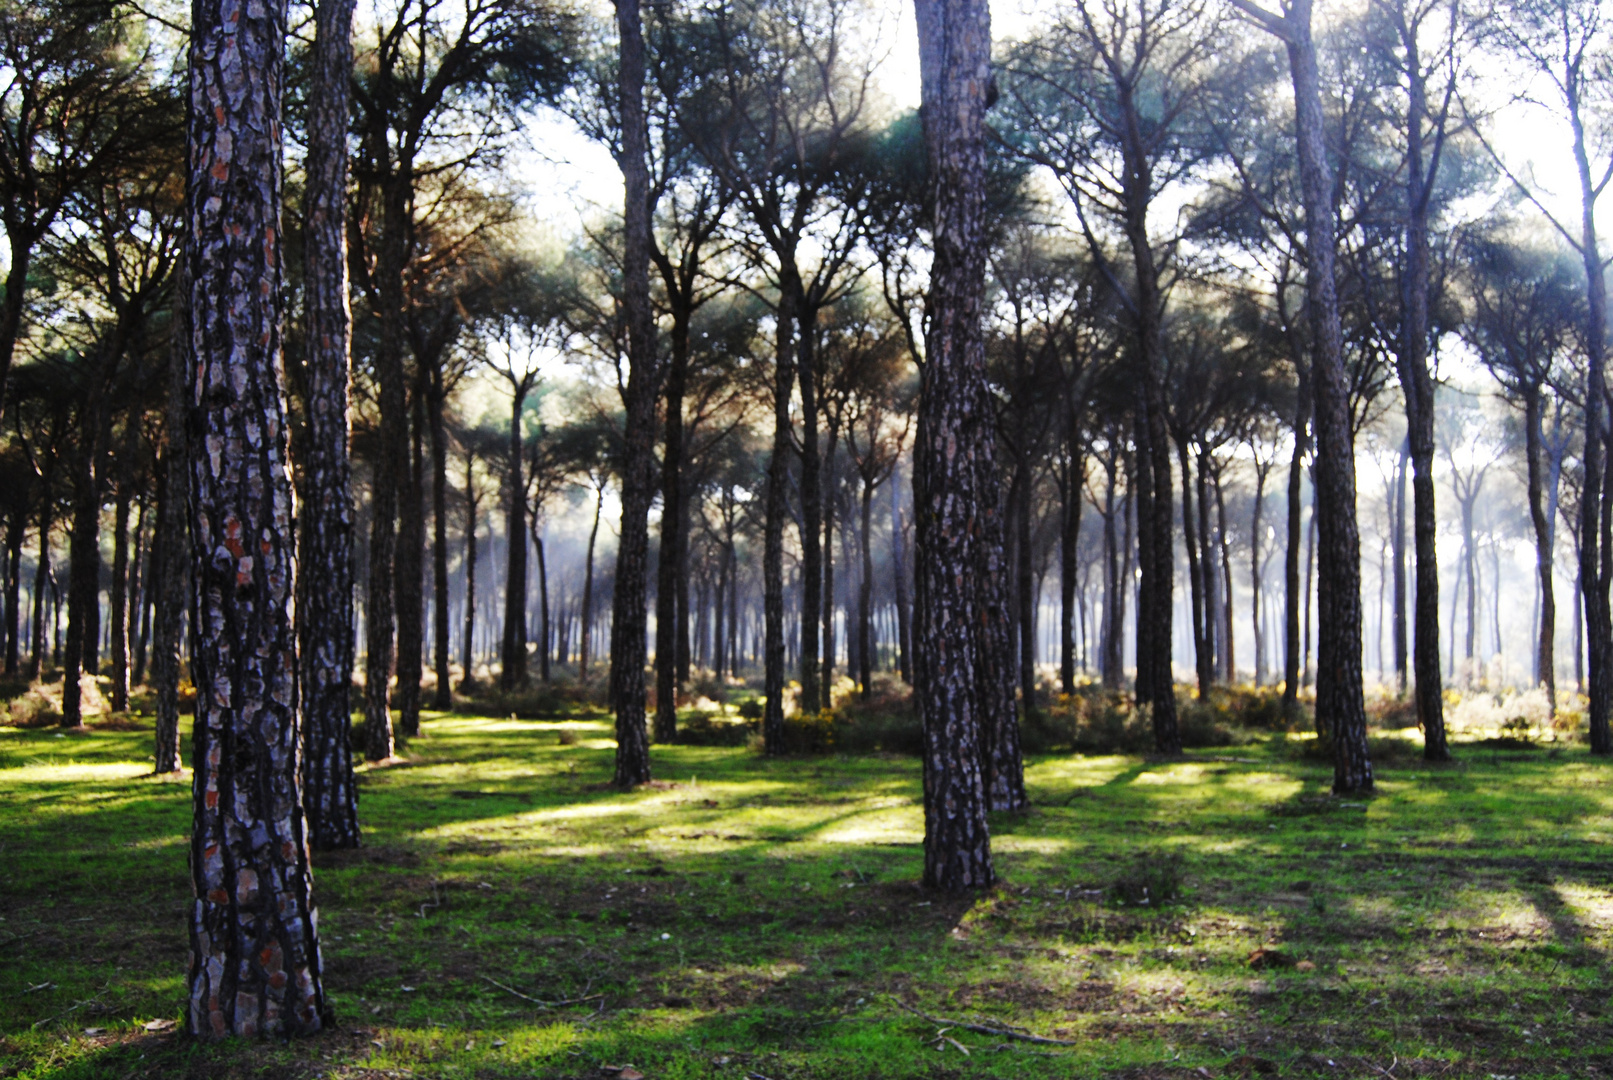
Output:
x=746 y=917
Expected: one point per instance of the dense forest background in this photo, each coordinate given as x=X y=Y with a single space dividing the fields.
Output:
x=1141 y=174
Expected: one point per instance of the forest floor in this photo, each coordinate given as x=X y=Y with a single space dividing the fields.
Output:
x=510 y=915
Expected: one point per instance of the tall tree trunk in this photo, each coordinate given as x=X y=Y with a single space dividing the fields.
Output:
x=391 y=459
x=42 y=575
x=1114 y=601
x=865 y=594
x=1069 y=550
x=1196 y=574
x=1228 y=656
x=1417 y=388
x=512 y=651
x=1212 y=592
x=170 y=553
x=84 y=572
x=16 y=528
x=140 y=596
x=773 y=658
x=442 y=699
x=1338 y=678
x=827 y=672
x=1025 y=592
x=255 y=967
x=120 y=572
x=543 y=602
x=953 y=452
x=638 y=468
x=1292 y=646
x=1397 y=513
x=325 y=611
x=408 y=571
x=1256 y=579
x=586 y=618
x=1545 y=652
x=467 y=678
x=812 y=595
x=904 y=630
x=672 y=539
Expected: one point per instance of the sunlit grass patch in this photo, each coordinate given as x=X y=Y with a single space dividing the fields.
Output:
x=754 y=915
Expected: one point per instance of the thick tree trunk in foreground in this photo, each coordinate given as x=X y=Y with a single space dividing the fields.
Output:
x=638 y=467
x=171 y=550
x=325 y=562
x=255 y=967
x=865 y=594
x=954 y=447
x=1339 y=701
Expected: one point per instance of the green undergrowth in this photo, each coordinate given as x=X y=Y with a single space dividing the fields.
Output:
x=512 y=916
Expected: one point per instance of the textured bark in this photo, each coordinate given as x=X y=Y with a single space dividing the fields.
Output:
x=170 y=555
x=442 y=697
x=325 y=563
x=255 y=964
x=1339 y=701
x=773 y=526
x=954 y=448
x=628 y=613
x=408 y=575
x=512 y=650
x=673 y=539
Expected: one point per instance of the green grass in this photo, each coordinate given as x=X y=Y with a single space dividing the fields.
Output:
x=754 y=917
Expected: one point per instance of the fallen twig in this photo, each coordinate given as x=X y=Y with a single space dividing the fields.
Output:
x=539 y=1001
x=987 y=1029
x=70 y=1009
